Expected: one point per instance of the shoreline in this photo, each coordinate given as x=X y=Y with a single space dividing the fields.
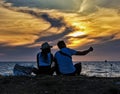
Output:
x=59 y=85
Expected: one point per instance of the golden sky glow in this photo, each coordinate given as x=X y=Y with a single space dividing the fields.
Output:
x=94 y=22
x=21 y=28
x=77 y=33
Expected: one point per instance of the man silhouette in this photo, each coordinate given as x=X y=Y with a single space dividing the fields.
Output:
x=63 y=60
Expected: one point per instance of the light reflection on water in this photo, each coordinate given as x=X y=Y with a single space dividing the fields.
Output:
x=101 y=69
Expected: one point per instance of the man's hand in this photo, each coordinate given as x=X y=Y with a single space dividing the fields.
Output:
x=90 y=49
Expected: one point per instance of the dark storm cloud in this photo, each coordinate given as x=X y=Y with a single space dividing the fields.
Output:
x=56 y=36
x=55 y=22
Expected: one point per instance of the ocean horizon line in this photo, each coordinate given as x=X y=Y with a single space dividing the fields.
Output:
x=73 y=61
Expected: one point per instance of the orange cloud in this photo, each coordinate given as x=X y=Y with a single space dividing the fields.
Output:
x=19 y=28
x=24 y=28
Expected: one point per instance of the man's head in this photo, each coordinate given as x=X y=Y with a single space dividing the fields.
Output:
x=61 y=44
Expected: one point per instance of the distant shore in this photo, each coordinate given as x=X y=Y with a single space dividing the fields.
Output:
x=59 y=85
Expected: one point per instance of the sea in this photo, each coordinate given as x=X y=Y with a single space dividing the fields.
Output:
x=89 y=68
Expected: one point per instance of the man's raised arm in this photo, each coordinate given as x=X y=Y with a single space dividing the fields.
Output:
x=84 y=52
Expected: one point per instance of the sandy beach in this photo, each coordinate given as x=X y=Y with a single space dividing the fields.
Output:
x=59 y=85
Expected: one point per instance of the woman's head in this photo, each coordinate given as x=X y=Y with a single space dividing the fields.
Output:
x=45 y=47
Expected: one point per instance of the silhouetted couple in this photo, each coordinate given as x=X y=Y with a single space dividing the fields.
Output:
x=63 y=60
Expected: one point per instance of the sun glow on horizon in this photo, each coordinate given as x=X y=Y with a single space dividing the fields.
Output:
x=76 y=34
x=80 y=29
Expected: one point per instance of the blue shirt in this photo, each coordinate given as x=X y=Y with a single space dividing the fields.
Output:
x=42 y=61
x=64 y=62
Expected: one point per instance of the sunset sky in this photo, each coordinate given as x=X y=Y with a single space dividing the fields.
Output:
x=26 y=24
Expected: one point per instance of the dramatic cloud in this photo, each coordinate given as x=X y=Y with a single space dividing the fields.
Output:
x=19 y=28
x=24 y=25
